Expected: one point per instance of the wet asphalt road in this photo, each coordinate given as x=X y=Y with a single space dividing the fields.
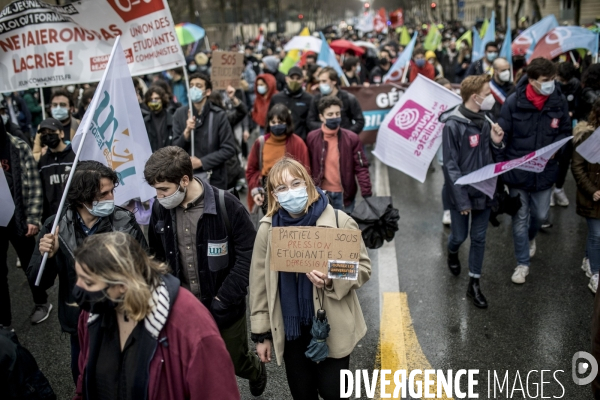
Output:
x=536 y=326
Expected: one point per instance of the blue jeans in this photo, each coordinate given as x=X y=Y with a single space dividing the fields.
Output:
x=528 y=221
x=593 y=244
x=459 y=232
x=337 y=202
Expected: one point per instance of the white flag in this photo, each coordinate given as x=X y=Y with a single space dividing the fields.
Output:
x=533 y=162
x=117 y=135
x=8 y=205
x=590 y=149
x=411 y=133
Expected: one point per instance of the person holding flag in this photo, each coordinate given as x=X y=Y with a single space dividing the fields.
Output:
x=468 y=139
x=501 y=84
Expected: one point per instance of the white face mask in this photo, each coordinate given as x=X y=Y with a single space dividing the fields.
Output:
x=504 y=76
x=4 y=118
x=173 y=200
x=487 y=103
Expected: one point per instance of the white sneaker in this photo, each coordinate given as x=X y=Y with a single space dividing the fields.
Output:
x=520 y=273
x=585 y=266
x=561 y=197
x=446 y=218
x=532 y=248
x=552 y=201
x=593 y=285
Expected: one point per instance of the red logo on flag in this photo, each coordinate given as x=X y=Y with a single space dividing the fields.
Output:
x=474 y=140
x=554 y=123
x=129 y=10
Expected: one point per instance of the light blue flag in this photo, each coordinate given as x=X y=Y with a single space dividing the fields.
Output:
x=476 y=53
x=490 y=36
x=565 y=38
x=395 y=72
x=526 y=41
x=327 y=57
x=506 y=50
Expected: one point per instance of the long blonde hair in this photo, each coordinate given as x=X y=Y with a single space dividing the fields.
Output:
x=275 y=178
x=118 y=259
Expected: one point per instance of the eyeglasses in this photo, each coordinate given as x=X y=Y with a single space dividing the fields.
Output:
x=296 y=184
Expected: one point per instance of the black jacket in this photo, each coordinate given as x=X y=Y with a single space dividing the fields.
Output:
x=587 y=97
x=476 y=68
x=298 y=104
x=15 y=130
x=377 y=74
x=225 y=276
x=71 y=236
x=527 y=129
x=158 y=140
x=54 y=170
x=466 y=148
x=508 y=88
x=352 y=115
x=213 y=148
x=279 y=78
x=572 y=91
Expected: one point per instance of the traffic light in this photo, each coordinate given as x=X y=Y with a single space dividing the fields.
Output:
x=300 y=16
x=367 y=5
x=433 y=6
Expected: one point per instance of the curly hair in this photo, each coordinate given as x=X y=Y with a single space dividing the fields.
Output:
x=591 y=77
x=85 y=186
x=328 y=101
x=159 y=91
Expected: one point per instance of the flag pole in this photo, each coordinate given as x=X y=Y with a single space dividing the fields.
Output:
x=86 y=127
x=405 y=72
x=190 y=112
x=42 y=103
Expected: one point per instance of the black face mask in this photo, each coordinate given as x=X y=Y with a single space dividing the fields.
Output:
x=278 y=130
x=333 y=123
x=52 y=140
x=97 y=302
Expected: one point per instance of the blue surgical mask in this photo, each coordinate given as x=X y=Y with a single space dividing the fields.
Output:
x=546 y=88
x=193 y=68
x=168 y=76
x=325 y=88
x=278 y=129
x=102 y=208
x=293 y=201
x=261 y=89
x=196 y=95
x=333 y=123
x=420 y=62
x=60 y=113
x=492 y=56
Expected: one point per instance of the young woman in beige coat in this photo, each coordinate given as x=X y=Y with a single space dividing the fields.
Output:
x=283 y=304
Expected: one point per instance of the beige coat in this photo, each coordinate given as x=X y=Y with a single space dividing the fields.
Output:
x=341 y=303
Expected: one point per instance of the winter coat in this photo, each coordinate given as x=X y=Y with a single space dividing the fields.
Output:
x=294 y=147
x=71 y=236
x=587 y=175
x=353 y=162
x=224 y=276
x=298 y=104
x=22 y=112
x=572 y=91
x=466 y=148
x=158 y=140
x=527 y=129
x=27 y=186
x=426 y=70
x=377 y=74
x=54 y=170
x=16 y=131
x=341 y=303
x=212 y=148
x=476 y=68
x=352 y=115
x=181 y=354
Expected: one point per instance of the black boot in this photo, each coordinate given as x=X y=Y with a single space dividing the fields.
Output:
x=454 y=263
x=474 y=291
x=257 y=387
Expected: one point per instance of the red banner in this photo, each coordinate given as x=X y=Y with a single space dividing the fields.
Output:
x=397 y=18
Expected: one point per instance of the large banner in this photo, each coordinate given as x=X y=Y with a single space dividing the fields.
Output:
x=524 y=43
x=564 y=38
x=48 y=45
x=376 y=101
x=117 y=135
x=411 y=133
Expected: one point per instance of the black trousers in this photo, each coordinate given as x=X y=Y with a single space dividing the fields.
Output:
x=24 y=247
x=564 y=164
x=307 y=379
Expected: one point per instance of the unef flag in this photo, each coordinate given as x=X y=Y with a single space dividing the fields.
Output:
x=411 y=132
x=116 y=134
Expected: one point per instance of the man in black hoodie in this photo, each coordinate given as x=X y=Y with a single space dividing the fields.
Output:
x=468 y=140
x=55 y=165
x=296 y=100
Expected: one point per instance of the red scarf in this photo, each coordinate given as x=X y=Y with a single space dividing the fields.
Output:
x=538 y=100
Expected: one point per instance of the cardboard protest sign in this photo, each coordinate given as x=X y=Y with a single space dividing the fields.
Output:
x=411 y=133
x=590 y=149
x=533 y=162
x=304 y=249
x=376 y=101
x=227 y=68
x=44 y=44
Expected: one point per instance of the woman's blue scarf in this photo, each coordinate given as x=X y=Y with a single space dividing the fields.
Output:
x=295 y=290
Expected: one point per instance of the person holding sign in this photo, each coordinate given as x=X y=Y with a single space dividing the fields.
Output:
x=284 y=304
x=467 y=142
x=588 y=194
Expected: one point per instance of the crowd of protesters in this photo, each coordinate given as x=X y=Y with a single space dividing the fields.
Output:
x=152 y=296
